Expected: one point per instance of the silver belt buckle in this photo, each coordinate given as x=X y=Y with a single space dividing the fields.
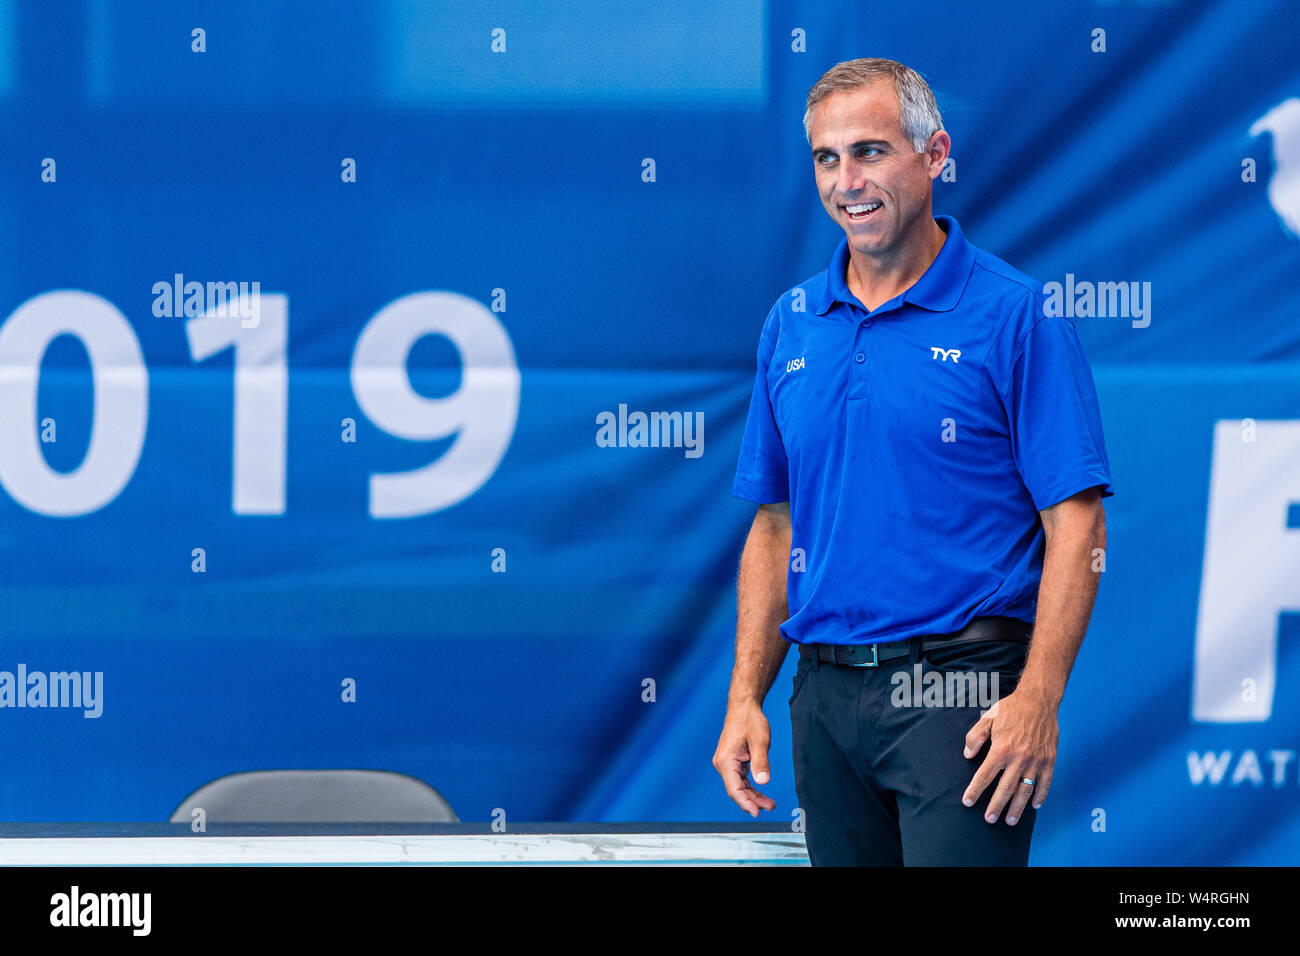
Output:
x=875 y=658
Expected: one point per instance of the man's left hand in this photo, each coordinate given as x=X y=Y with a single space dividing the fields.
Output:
x=1023 y=731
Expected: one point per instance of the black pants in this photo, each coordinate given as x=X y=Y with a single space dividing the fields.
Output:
x=880 y=781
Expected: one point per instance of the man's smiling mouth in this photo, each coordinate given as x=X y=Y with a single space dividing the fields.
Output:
x=862 y=210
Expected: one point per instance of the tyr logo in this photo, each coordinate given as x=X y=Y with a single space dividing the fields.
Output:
x=944 y=354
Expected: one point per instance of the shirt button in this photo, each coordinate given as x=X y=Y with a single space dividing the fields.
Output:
x=860 y=357
x=866 y=323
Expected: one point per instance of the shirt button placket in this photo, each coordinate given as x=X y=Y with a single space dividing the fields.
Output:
x=859 y=358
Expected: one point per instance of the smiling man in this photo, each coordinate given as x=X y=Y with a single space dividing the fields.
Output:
x=926 y=451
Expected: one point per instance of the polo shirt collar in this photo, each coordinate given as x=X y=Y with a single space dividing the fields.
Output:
x=940 y=287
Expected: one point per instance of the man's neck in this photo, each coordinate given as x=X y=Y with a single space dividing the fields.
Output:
x=875 y=281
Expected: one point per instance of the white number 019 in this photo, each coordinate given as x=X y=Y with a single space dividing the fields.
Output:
x=481 y=414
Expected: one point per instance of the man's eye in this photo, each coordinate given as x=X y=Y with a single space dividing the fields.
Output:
x=868 y=151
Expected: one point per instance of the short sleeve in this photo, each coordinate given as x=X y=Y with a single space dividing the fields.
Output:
x=1055 y=421
x=762 y=472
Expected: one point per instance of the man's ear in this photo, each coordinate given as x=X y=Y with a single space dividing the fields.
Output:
x=937 y=149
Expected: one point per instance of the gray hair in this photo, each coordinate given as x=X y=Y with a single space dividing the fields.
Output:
x=918 y=112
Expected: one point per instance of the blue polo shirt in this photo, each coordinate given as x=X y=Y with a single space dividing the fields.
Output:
x=916 y=444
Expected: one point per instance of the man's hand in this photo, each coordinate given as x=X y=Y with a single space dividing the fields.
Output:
x=741 y=748
x=1023 y=731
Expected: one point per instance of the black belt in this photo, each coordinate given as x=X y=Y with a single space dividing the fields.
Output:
x=872 y=655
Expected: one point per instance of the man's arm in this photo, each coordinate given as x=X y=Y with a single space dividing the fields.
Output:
x=1023 y=724
x=1074 y=528
x=761 y=606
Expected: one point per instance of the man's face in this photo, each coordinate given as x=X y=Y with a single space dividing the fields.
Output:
x=862 y=159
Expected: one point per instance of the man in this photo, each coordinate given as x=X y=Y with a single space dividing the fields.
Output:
x=926 y=451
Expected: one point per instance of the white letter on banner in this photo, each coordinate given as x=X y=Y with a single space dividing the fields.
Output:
x=1251 y=571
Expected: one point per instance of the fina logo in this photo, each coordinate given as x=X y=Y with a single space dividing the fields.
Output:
x=943 y=354
x=1283 y=121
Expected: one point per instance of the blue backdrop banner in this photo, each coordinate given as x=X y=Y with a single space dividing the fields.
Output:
x=324 y=335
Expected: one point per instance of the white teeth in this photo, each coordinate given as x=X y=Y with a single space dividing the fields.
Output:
x=862 y=207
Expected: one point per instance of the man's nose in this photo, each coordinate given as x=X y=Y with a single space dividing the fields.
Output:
x=851 y=179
